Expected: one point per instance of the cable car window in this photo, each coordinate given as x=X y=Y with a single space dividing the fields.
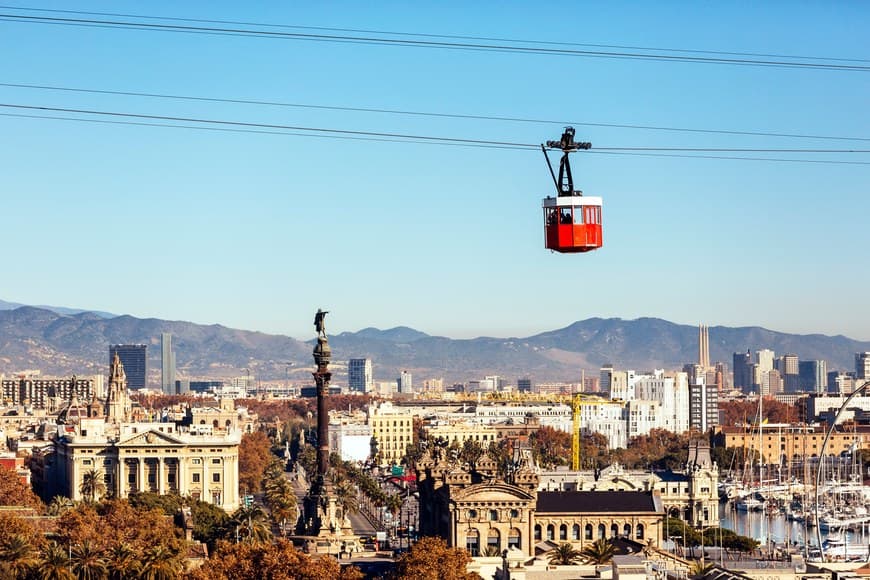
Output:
x=565 y=217
x=551 y=216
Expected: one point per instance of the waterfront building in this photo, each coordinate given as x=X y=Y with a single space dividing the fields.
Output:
x=359 y=375
x=134 y=357
x=781 y=442
x=471 y=507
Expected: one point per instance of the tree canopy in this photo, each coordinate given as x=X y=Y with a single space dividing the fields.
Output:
x=431 y=559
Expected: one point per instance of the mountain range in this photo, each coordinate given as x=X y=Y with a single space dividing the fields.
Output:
x=62 y=342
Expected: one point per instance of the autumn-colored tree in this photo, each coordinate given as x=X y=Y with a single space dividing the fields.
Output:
x=746 y=412
x=551 y=447
x=278 y=560
x=109 y=523
x=255 y=455
x=17 y=556
x=87 y=563
x=12 y=525
x=431 y=559
x=53 y=564
x=14 y=492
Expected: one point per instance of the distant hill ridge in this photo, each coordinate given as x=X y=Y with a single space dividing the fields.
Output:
x=66 y=343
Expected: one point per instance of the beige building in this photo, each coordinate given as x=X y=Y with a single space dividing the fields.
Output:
x=131 y=457
x=459 y=432
x=783 y=442
x=472 y=507
x=393 y=429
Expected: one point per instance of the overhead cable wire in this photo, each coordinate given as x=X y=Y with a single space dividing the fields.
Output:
x=426 y=113
x=428 y=35
x=506 y=48
x=484 y=146
x=247 y=127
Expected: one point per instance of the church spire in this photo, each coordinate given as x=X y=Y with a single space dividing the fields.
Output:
x=117 y=401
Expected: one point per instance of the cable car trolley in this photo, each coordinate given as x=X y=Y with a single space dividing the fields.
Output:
x=572 y=221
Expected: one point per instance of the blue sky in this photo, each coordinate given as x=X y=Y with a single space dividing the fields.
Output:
x=258 y=231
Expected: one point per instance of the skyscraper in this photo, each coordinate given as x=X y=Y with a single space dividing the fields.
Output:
x=789 y=369
x=134 y=358
x=359 y=375
x=813 y=376
x=167 y=361
x=742 y=364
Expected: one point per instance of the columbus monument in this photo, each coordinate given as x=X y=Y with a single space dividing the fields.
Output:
x=325 y=521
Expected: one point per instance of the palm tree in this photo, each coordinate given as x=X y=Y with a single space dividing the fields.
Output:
x=599 y=552
x=87 y=563
x=699 y=569
x=59 y=505
x=160 y=563
x=347 y=497
x=492 y=551
x=92 y=485
x=122 y=562
x=53 y=564
x=17 y=556
x=253 y=522
x=564 y=555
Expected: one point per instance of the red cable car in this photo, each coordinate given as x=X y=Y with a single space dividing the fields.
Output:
x=572 y=221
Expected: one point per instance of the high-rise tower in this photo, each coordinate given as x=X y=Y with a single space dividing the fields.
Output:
x=167 y=358
x=134 y=358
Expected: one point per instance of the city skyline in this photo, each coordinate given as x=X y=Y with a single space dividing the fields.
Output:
x=444 y=239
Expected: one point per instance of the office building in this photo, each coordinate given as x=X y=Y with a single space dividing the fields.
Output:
x=813 y=376
x=703 y=406
x=134 y=357
x=524 y=385
x=862 y=365
x=742 y=363
x=167 y=360
x=764 y=359
x=405 y=384
x=359 y=375
x=789 y=369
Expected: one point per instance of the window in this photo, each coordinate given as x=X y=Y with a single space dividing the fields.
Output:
x=614 y=530
x=626 y=531
x=601 y=532
x=514 y=538
x=639 y=532
x=575 y=532
x=493 y=515
x=197 y=461
x=515 y=514
x=588 y=533
x=551 y=532
x=195 y=478
x=216 y=461
x=472 y=542
x=537 y=532
x=472 y=514
x=216 y=477
x=563 y=532
x=493 y=539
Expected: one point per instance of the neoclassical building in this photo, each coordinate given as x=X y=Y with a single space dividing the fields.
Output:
x=472 y=507
x=131 y=457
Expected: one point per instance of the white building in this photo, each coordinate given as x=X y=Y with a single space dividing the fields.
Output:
x=350 y=439
x=605 y=417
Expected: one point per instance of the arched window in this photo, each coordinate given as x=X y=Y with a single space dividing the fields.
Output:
x=575 y=532
x=614 y=530
x=639 y=531
x=472 y=542
x=602 y=533
x=537 y=532
x=514 y=539
x=563 y=532
x=626 y=531
x=551 y=532
x=588 y=533
x=493 y=515
x=493 y=540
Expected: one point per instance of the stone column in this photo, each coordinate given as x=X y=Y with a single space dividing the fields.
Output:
x=122 y=477
x=161 y=487
x=181 y=478
x=206 y=492
x=140 y=483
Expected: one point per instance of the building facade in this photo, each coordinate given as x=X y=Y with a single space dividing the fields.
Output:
x=48 y=394
x=167 y=362
x=393 y=429
x=359 y=375
x=134 y=357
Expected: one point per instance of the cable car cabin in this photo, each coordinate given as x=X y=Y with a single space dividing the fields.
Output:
x=572 y=223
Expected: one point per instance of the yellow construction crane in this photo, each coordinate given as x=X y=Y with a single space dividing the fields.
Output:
x=575 y=433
